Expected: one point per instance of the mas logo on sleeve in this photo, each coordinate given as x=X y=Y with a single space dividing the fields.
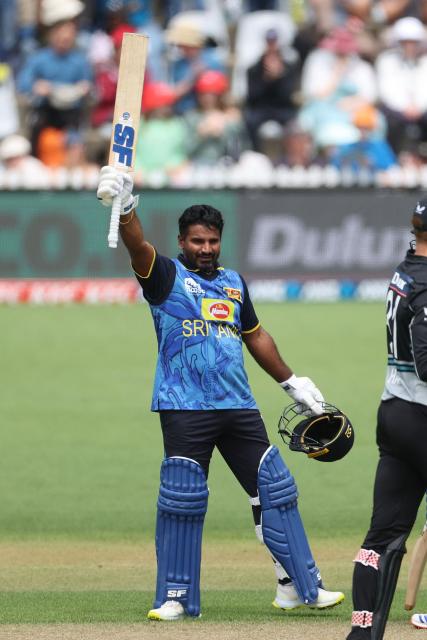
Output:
x=234 y=294
x=217 y=310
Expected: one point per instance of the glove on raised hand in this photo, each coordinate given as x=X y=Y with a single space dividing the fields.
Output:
x=112 y=183
x=305 y=393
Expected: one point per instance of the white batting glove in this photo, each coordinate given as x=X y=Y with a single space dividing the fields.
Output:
x=112 y=183
x=305 y=393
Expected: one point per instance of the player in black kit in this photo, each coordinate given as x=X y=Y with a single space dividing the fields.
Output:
x=401 y=476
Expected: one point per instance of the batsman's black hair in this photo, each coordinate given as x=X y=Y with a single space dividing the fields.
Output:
x=201 y=214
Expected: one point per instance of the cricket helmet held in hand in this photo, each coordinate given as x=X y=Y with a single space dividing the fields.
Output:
x=327 y=437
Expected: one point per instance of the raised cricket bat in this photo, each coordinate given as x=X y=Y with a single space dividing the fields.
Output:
x=127 y=113
x=416 y=568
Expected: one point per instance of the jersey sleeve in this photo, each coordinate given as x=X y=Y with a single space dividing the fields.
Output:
x=248 y=316
x=157 y=285
x=418 y=329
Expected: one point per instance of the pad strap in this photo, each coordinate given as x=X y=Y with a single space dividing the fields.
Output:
x=181 y=509
x=282 y=528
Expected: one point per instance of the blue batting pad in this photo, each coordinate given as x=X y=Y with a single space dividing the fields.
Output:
x=181 y=509
x=282 y=528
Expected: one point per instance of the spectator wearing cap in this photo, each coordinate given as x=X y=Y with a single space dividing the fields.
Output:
x=57 y=79
x=161 y=144
x=273 y=83
x=402 y=73
x=216 y=130
x=371 y=152
x=193 y=57
x=335 y=83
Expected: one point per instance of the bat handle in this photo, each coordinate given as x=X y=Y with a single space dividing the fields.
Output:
x=113 y=234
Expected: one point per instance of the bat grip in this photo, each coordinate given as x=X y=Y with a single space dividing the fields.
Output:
x=113 y=234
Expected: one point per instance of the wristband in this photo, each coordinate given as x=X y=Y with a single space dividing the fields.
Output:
x=289 y=383
x=132 y=204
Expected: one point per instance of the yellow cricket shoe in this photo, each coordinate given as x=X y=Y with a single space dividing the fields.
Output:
x=170 y=610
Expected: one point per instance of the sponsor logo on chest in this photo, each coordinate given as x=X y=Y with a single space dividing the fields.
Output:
x=218 y=310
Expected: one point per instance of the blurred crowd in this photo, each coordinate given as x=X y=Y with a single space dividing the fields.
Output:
x=234 y=90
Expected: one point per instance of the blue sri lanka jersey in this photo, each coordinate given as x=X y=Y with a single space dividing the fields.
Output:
x=199 y=333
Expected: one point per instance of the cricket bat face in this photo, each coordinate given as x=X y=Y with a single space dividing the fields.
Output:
x=127 y=112
x=127 y=108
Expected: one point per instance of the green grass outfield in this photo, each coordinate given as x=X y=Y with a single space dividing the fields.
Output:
x=81 y=454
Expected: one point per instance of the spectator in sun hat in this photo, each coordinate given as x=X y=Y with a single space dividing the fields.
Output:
x=192 y=58
x=57 y=79
x=216 y=129
x=15 y=154
x=53 y=12
x=401 y=74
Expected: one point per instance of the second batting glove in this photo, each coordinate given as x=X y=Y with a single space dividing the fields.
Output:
x=305 y=393
x=113 y=183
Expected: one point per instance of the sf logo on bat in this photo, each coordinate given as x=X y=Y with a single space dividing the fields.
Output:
x=123 y=140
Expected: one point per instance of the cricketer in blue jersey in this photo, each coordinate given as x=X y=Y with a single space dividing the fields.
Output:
x=199 y=328
x=203 y=315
